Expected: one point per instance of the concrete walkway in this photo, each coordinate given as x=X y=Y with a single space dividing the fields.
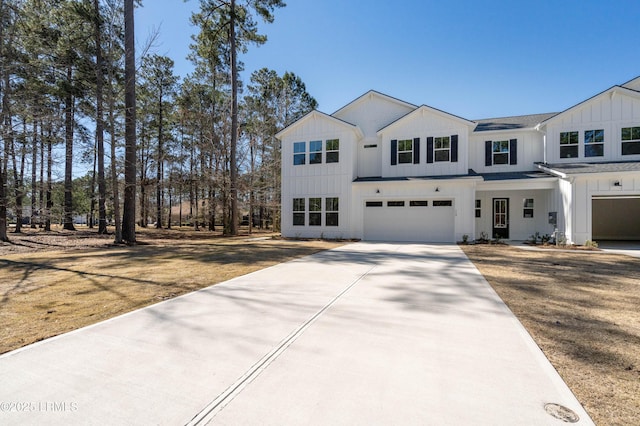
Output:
x=629 y=248
x=363 y=334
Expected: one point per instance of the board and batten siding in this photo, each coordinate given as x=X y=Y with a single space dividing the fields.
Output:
x=579 y=195
x=422 y=125
x=318 y=180
x=530 y=149
x=520 y=227
x=371 y=112
x=460 y=191
x=610 y=111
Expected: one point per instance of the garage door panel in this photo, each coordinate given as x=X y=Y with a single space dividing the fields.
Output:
x=412 y=224
x=615 y=218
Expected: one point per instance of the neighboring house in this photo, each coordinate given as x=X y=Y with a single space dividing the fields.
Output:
x=383 y=169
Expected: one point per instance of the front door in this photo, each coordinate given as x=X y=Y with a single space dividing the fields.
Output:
x=500 y=218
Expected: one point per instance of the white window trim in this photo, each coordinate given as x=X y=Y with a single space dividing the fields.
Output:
x=327 y=150
x=409 y=151
x=494 y=153
x=436 y=150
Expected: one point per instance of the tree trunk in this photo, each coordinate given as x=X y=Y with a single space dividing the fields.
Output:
x=6 y=134
x=234 y=121
x=17 y=188
x=49 y=204
x=34 y=175
x=159 y=165
x=23 y=157
x=102 y=185
x=92 y=208
x=114 y=175
x=3 y=200
x=41 y=192
x=252 y=156
x=68 y=164
x=170 y=200
x=129 y=213
x=212 y=195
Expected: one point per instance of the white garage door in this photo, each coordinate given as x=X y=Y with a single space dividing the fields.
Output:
x=615 y=218
x=409 y=220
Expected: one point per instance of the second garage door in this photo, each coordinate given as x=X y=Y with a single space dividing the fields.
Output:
x=409 y=220
x=616 y=218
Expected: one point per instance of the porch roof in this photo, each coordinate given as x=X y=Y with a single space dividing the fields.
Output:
x=489 y=177
x=469 y=176
x=583 y=168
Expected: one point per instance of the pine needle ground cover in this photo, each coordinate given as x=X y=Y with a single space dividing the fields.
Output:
x=583 y=311
x=56 y=282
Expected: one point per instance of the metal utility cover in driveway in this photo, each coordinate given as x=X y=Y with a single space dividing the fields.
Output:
x=363 y=334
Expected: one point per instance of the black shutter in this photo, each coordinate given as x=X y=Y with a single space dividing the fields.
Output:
x=513 y=151
x=416 y=150
x=488 y=154
x=454 y=148
x=394 y=152
x=430 y=149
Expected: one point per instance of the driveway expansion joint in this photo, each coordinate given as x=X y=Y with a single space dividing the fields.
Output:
x=207 y=414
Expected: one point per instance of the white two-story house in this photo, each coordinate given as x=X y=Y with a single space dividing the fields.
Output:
x=383 y=169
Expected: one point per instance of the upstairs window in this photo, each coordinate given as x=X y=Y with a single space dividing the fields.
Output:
x=299 y=153
x=500 y=152
x=315 y=211
x=331 y=208
x=333 y=150
x=405 y=151
x=594 y=143
x=569 y=145
x=298 y=211
x=315 y=152
x=630 y=140
x=442 y=148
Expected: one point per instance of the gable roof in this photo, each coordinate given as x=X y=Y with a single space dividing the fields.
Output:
x=315 y=114
x=511 y=123
x=633 y=84
x=428 y=109
x=609 y=92
x=373 y=93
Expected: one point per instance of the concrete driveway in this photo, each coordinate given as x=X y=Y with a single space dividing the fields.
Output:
x=369 y=333
x=630 y=248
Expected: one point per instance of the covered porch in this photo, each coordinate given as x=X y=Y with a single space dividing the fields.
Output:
x=515 y=206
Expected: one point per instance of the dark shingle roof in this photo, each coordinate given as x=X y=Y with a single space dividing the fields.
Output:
x=605 y=167
x=510 y=123
x=515 y=175
x=472 y=174
x=409 y=178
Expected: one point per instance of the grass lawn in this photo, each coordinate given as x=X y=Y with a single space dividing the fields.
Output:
x=583 y=310
x=55 y=282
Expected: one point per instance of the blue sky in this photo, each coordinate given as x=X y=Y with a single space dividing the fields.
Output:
x=475 y=59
